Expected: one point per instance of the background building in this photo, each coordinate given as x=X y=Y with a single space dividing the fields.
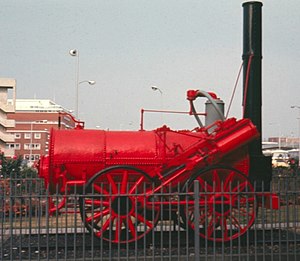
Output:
x=7 y=91
x=285 y=142
x=34 y=120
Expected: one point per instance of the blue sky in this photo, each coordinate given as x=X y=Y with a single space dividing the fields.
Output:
x=127 y=46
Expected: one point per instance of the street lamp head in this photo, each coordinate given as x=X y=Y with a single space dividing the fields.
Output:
x=92 y=82
x=89 y=82
x=73 y=52
x=154 y=88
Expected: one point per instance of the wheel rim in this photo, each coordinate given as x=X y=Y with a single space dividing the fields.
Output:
x=115 y=206
x=227 y=205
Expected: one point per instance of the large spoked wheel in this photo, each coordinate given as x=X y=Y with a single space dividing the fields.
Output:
x=116 y=206
x=227 y=205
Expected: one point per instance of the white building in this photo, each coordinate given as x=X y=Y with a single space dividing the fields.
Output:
x=34 y=119
x=7 y=91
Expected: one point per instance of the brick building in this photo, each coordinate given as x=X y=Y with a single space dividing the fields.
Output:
x=34 y=120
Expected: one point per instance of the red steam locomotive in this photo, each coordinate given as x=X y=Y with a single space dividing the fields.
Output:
x=123 y=176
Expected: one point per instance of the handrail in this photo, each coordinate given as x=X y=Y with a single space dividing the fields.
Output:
x=162 y=111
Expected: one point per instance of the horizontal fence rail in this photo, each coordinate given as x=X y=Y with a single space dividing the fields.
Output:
x=227 y=220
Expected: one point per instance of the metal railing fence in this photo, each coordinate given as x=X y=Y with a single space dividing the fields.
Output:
x=180 y=224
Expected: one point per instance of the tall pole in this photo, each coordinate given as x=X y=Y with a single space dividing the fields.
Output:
x=260 y=166
x=155 y=88
x=77 y=96
x=298 y=107
x=252 y=73
x=75 y=53
x=77 y=85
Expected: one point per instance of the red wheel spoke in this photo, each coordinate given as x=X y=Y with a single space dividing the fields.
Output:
x=112 y=183
x=242 y=186
x=99 y=189
x=124 y=182
x=236 y=223
x=211 y=226
x=119 y=222
x=136 y=184
x=228 y=182
x=225 y=228
x=204 y=217
x=204 y=185
x=105 y=226
x=216 y=181
x=97 y=203
x=97 y=216
x=108 y=213
x=143 y=220
x=227 y=201
x=132 y=228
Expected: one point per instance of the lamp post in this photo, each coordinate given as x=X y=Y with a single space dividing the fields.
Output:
x=298 y=107
x=75 y=53
x=155 y=88
x=77 y=96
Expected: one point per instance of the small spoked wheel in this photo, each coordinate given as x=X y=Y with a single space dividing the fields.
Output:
x=227 y=205
x=116 y=207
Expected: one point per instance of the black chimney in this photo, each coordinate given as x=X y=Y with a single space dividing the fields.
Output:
x=260 y=165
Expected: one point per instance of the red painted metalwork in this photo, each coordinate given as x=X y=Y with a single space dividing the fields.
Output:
x=76 y=155
x=126 y=170
x=227 y=203
x=124 y=175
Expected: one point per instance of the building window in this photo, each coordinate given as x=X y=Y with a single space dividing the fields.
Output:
x=37 y=135
x=15 y=146
x=27 y=136
x=31 y=157
x=32 y=146
x=17 y=135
